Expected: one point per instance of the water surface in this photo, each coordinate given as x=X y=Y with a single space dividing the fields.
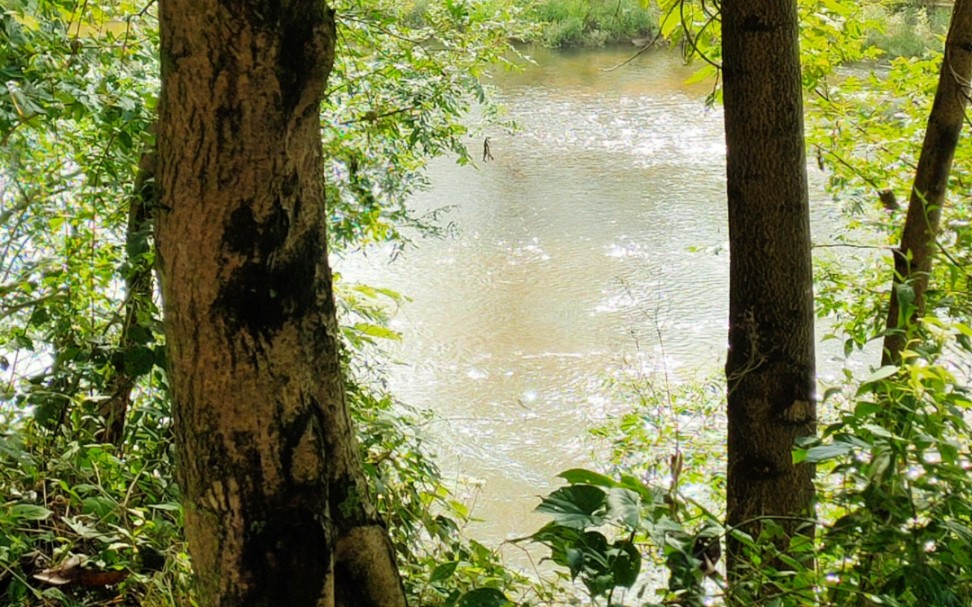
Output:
x=594 y=240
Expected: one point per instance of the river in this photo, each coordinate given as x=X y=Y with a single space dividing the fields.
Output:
x=595 y=239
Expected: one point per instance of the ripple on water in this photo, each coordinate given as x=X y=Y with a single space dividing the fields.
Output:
x=597 y=228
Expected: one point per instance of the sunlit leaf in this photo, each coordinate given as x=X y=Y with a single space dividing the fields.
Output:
x=577 y=506
x=625 y=505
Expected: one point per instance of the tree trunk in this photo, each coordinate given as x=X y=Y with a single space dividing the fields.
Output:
x=913 y=259
x=276 y=508
x=770 y=367
x=138 y=297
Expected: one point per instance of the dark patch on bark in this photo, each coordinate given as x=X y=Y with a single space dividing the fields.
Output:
x=755 y=23
x=297 y=281
x=260 y=14
x=275 y=229
x=289 y=557
x=240 y=235
x=261 y=296
x=299 y=61
x=250 y=302
x=229 y=117
x=272 y=287
x=288 y=187
x=244 y=235
x=758 y=469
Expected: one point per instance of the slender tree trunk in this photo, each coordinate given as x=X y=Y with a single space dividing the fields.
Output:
x=138 y=296
x=913 y=259
x=770 y=367
x=277 y=511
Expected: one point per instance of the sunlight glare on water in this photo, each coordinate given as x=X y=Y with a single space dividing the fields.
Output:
x=597 y=227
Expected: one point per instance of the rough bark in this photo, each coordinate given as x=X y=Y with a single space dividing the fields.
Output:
x=276 y=508
x=913 y=259
x=770 y=366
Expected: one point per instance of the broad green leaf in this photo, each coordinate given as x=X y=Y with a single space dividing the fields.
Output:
x=575 y=561
x=906 y=296
x=823 y=453
x=838 y=8
x=26 y=21
x=577 y=506
x=964 y=329
x=625 y=504
x=100 y=506
x=799 y=455
x=627 y=564
x=579 y=476
x=30 y=512
x=878 y=431
x=669 y=25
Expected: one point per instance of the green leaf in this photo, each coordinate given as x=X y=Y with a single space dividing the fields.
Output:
x=100 y=506
x=865 y=408
x=443 y=571
x=882 y=373
x=576 y=506
x=906 y=296
x=823 y=453
x=837 y=8
x=484 y=597
x=627 y=564
x=878 y=431
x=579 y=476
x=798 y=455
x=377 y=331
x=964 y=329
x=26 y=21
x=625 y=504
x=575 y=561
x=669 y=25
x=30 y=512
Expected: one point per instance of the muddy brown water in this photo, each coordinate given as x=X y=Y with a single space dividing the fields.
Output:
x=594 y=241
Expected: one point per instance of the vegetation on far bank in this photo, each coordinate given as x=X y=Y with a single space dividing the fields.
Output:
x=901 y=29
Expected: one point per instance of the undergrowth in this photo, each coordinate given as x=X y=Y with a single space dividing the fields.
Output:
x=894 y=496
x=84 y=523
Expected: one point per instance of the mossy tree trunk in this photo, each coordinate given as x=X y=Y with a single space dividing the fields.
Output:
x=770 y=367
x=277 y=511
x=913 y=259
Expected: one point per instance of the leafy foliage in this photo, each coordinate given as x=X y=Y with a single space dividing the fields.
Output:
x=899 y=492
x=400 y=94
x=95 y=515
x=86 y=521
x=653 y=507
x=570 y=23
